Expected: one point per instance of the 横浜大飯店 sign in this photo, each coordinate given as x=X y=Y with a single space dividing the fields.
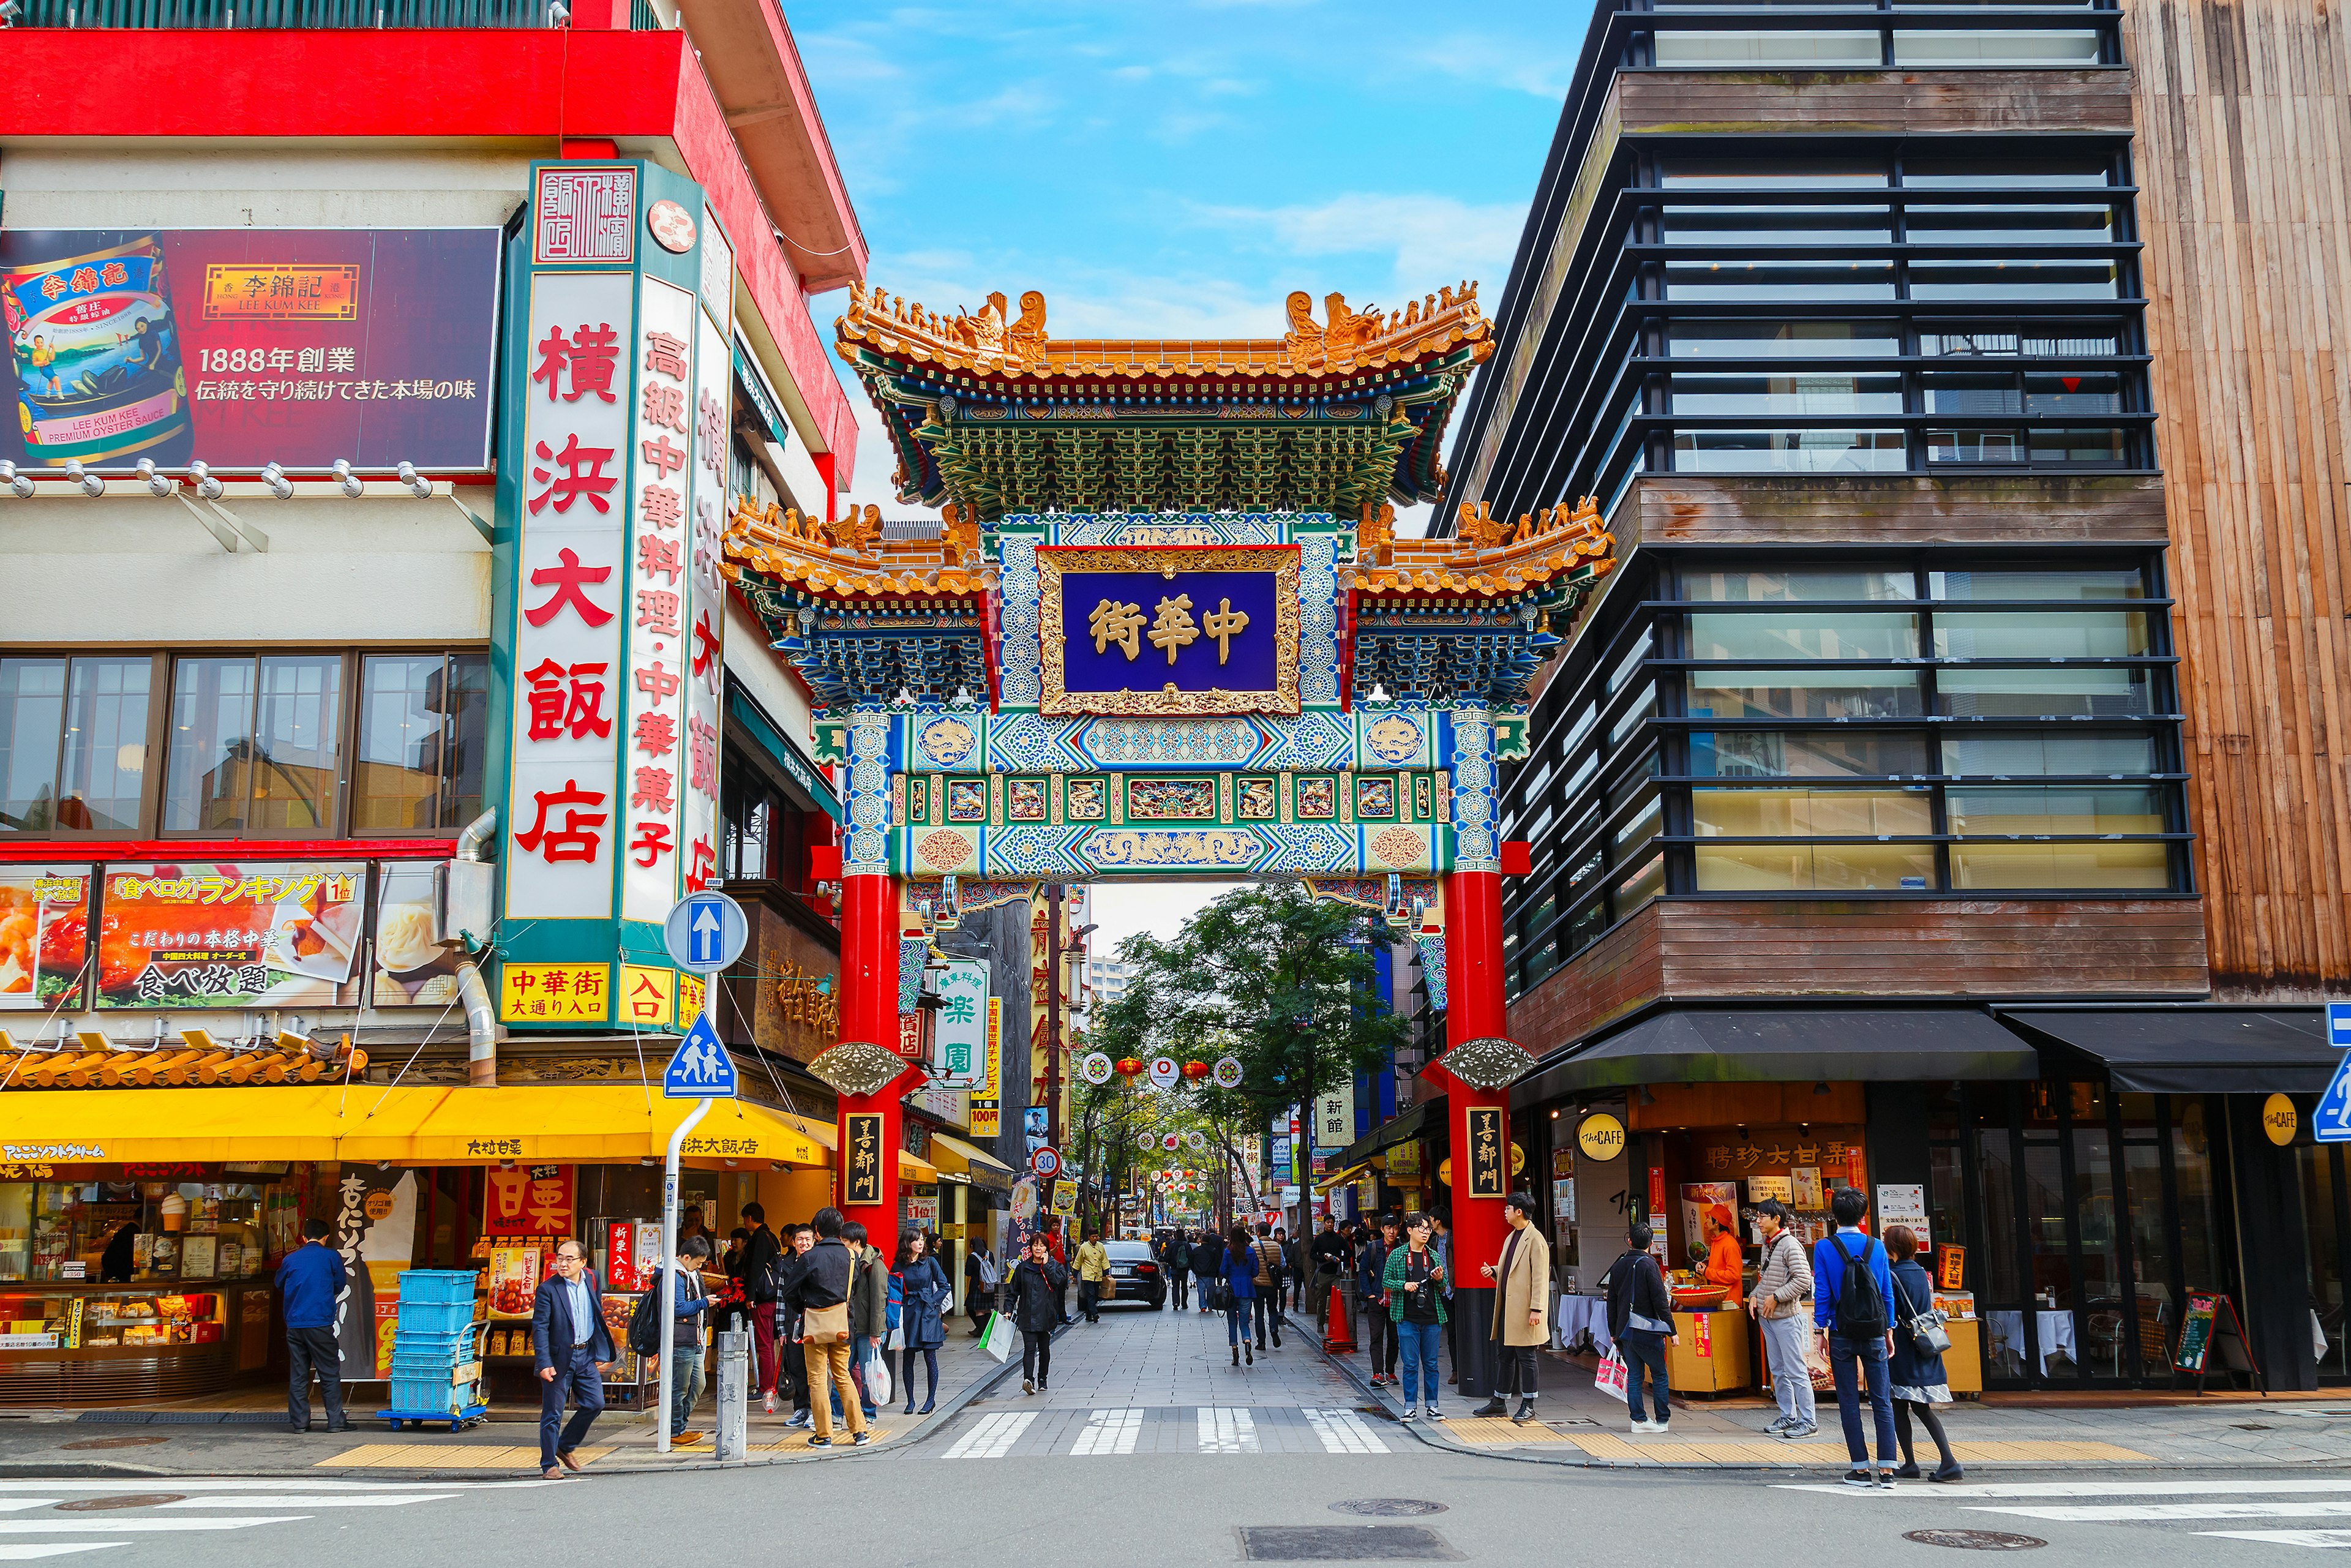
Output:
x=1169 y=630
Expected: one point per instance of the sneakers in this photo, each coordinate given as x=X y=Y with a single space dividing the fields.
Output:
x=1524 y=1414
x=1885 y=1479
x=860 y=1439
x=1859 y=1479
x=1027 y=1385
x=801 y=1418
x=819 y=1442
x=1433 y=1411
x=1792 y=1433
x=1412 y=1412
x=1780 y=1423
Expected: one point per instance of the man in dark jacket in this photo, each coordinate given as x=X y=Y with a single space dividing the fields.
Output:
x=823 y=1284
x=1371 y=1290
x=791 y=1371
x=1036 y=1289
x=980 y=1282
x=1641 y=1322
x=760 y=1255
x=311 y=1281
x=570 y=1345
x=1207 y=1263
x=1329 y=1253
x=869 y=1306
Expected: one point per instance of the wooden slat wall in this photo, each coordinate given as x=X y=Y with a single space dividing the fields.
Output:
x=2243 y=126
x=1785 y=102
x=2051 y=949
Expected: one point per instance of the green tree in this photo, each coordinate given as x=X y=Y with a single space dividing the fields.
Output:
x=1269 y=975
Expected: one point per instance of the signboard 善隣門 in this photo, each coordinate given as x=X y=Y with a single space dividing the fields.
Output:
x=246 y=346
x=1485 y=1146
x=862 y=1156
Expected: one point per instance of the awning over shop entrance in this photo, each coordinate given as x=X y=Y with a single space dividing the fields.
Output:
x=2188 y=1049
x=420 y=1125
x=1789 y=1045
x=920 y=1172
x=1427 y=1117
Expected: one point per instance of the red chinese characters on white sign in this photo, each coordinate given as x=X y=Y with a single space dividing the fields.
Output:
x=560 y=813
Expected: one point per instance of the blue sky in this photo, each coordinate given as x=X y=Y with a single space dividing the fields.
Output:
x=1174 y=170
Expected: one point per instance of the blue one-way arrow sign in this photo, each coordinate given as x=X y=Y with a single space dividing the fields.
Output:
x=701 y=1069
x=706 y=931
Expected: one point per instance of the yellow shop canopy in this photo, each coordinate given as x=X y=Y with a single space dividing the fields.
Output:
x=959 y=1156
x=422 y=1125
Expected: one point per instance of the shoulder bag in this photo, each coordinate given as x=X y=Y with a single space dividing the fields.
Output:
x=829 y=1325
x=1926 y=1328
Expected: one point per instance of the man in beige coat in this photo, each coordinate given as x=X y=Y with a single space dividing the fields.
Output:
x=1521 y=1325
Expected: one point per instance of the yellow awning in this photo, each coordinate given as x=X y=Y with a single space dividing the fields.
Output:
x=922 y=1172
x=1341 y=1178
x=961 y=1157
x=420 y=1125
x=910 y=1169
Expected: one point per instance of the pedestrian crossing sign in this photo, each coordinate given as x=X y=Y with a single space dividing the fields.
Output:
x=2331 y=1122
x=701 y=1069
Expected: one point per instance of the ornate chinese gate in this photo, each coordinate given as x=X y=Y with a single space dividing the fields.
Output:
x=1163 y=629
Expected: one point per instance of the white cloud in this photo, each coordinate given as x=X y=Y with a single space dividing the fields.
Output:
x=1434 y=240
x=1486 y=61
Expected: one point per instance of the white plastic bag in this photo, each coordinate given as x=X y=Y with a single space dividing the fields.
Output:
x=877 y=1376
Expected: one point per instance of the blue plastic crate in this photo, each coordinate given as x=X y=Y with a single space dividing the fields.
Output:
x=432 y=1398
x=419 y=1365
x=455 y=1346
x=440 y=1285
x=435 y=1317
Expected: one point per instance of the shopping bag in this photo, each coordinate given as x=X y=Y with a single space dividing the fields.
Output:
x=996 y=1339
x=877 y=1376
x=1816 y=1362
x=1609 y=1376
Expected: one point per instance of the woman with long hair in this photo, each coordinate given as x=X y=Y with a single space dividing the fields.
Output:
x=1916 y=1374
x=921 y=1318
x=1241 y=1265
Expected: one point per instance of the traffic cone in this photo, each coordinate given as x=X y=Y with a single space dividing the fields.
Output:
x=1338 y=1339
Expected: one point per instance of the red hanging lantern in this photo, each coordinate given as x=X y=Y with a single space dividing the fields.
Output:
x=1195 y=1069
x=1130 y=1067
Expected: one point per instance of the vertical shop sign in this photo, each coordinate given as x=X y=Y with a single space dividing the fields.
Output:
x=986 y=1102
x=706 y=591
x=863 y=1154
x=375 y=1227
x=660 y=455
x=561 y=816
x=1485 y=1145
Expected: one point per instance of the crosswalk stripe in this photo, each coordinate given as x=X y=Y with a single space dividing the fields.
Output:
x=314 y=1499
x=10 y=1504
x=2091 y=1513
x=1110 y=1432
x=991 y=1435
x=1344 y=1432
x=1227 y=1430
x=1965 y=1490
x=146 y=1526
x=280 y=1484
x=2337 y=1540
x=25 y=1553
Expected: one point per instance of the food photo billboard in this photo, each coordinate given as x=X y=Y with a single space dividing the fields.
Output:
x=246 y=346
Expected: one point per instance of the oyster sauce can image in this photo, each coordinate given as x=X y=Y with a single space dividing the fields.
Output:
x=95 y=353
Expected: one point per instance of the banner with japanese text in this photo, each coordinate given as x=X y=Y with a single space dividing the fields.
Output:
x=248 y=346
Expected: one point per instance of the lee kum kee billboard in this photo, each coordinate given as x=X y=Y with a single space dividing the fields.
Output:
x=246 y=347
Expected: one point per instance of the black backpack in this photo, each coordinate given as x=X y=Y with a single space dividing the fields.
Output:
x=644 y=1322
x=1860 y=1310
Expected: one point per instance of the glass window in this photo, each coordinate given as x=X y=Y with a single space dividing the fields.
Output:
x=1804 y=694
x=1810 y=813
x=1705 y=339
x=1974 y=446
x=1798 y=583
x=2062 y=342
x=255 y=744
x=2140 y=864
x=2003 y=1285
x=2019 y=280
x=2073 y=395
x=2064 y=693
x=1642 y=710
x=1771 y=173
x=1756 y=395
x=1803 y=635
x=2077 y=582
x=1789 y=451
x=2055 y=168
x=1799 y=754
x=2010 y=225
x=1629 y=664
x=69 y=716
x=32 y=717
x=2028 y=752
x=1802 y=868
x=2055 y=809
x=1973 y=395
x=1730 y=226
x=1740 y=279
x=2037 y=634
x=419 y=740
x=2201 y=1238
x=1995 y=47
x=2101 y=445
x=1846 y=50
x=1645 y=882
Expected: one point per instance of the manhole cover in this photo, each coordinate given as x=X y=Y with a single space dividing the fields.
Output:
x=1344 y=1543
x=129 y=1440
x=129 y=1500
x=1389 y=1507
x=1975 y=1539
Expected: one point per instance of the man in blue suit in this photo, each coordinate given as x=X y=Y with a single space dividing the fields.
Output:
x=569 y=1346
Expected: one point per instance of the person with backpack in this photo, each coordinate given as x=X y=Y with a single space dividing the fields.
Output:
x=1268 y=1286
x=762 y=1252
x=792 y=1370
x=1241 y=1265
x=1782 y=1289
x=1852 y=1285
x=1641 y=1322
x=1178 y=1262
x=1208 y=1264
x=683 y=1345
x=980 y=1279
x=1371 y=1289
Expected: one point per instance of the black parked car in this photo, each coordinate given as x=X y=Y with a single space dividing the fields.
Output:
x=1140 y=1279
